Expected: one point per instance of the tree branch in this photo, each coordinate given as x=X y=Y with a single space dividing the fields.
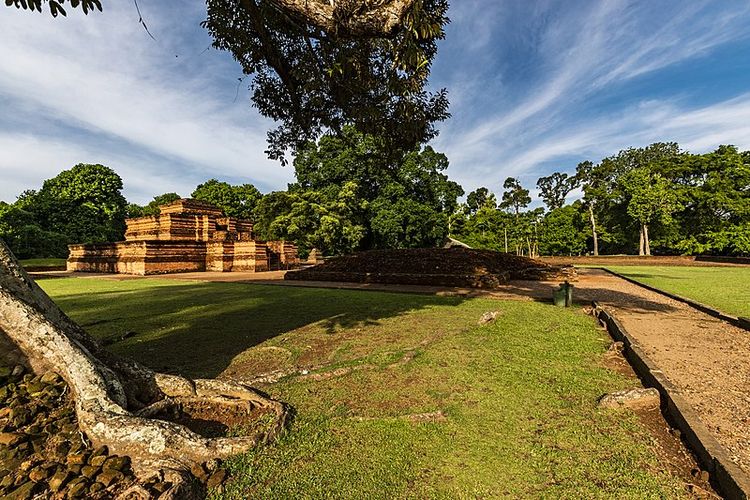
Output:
x=350 y=18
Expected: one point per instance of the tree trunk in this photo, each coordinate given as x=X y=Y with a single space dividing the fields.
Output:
x=350 y=18
x=641 y=246
x=647 y=243
x=593 y=229
x=114 y=397
x=506 y=239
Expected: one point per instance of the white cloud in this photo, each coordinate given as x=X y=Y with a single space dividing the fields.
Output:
x=105 y=79
x=549 y=120
x=526 y=82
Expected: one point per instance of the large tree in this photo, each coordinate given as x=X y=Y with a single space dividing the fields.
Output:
x=554 y=188
x=81 y=205
x=479 y=198
x=515 y=196
x=384 y=182
x=650 y=199
x=317 y=65
x=236 y=201
x=345 y=62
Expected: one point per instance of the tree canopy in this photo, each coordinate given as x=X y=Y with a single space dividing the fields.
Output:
x=236 y=201
x=378 y=200
x=80 y=205
x=314 y=79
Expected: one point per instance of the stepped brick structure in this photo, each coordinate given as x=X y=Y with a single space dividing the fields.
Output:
x=188 y=235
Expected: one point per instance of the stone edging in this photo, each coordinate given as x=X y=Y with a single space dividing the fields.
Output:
x=730 y=480
x=743 y=323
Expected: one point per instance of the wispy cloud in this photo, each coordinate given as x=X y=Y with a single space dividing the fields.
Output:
x=585 y=96
x=101 y=79
x=534 y=86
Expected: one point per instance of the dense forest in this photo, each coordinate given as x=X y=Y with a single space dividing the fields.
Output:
x=352 y=194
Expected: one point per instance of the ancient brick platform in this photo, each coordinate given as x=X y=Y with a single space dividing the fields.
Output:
x=187 y=236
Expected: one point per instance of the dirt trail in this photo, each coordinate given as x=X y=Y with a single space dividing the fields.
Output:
x=707 y=359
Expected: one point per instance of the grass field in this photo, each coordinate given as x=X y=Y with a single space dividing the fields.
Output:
x=725 y=288
x=424 y=402
x=43 y=263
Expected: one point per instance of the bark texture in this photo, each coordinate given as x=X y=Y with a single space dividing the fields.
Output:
x=593 y=229
x=355 y=18
x=115 y=397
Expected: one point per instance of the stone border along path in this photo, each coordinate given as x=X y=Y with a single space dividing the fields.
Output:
x=725 y=474
x=702 y=361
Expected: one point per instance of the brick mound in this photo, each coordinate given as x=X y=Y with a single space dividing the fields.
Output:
x=460 y=267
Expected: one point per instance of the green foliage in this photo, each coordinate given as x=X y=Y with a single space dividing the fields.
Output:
x=564 y=231
x=311 y=81
x=55 y=6
x=515 y=196
x=379 y=201
x=312 y=220
x=152 y=208
x=685 y=203
x=479 y=198
x=80 y=205
x=555 y=188
x=236 y=201
x=650 y=196
x=19 y=230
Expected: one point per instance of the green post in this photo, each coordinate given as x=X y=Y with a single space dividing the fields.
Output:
x=568 y=294
x=559 y=296
x=563 y=296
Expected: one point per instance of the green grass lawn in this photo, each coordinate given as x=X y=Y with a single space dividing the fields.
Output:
x=725 y=288
x=43 y=263
x=516 y=399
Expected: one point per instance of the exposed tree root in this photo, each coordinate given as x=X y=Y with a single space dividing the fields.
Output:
x=114 y=397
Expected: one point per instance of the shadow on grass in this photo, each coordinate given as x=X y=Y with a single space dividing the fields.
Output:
x=197 y=329
x=542 y=292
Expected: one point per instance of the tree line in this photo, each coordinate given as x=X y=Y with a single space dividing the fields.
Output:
x=655 y=199
x=351 y=193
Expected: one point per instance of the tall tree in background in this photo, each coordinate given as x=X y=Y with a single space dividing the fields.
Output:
x=236 y=201
x=593 y=191
x=515 y=196
x=651 y=198
x=555 y=188
x=479 y=198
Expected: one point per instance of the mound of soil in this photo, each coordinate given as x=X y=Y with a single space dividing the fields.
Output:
x=433 y=266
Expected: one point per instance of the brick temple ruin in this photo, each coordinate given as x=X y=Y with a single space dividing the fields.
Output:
x=187 y=236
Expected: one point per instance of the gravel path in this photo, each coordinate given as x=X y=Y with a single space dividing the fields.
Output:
x=707 y=359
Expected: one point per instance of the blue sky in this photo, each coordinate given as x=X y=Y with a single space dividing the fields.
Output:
x=535 y=86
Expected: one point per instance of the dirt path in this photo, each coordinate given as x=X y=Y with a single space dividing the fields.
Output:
x=707 y=359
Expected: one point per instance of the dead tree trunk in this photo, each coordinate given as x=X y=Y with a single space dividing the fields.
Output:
x=115 y=397
x=646 y=242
